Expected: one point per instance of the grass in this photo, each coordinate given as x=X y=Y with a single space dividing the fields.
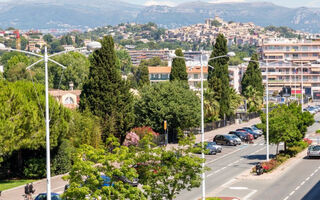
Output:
x=8 y=184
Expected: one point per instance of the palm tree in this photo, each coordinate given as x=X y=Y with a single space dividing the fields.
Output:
x=235 y=100
x=254 y=99
x=211 y=106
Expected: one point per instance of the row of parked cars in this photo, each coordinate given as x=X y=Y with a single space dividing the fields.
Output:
x=234 y=138
x=312 y=109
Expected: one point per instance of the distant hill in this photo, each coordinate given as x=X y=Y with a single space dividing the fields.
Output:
x=263 y=14
x=91 y=13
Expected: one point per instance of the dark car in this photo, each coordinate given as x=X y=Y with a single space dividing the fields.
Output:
x=209 y=149
x=254 y=134
x=225 y=140
x=43 y=196
x=124 y=179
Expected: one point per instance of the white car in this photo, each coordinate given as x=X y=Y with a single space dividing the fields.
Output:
x=313 y=151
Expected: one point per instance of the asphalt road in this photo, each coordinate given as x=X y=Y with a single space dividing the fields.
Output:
x=228 y=165
x=299 y=182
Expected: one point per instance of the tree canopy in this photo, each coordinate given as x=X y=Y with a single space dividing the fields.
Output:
x=178 y=69
x=105 y=94
x=218 y=77
x=171 y=101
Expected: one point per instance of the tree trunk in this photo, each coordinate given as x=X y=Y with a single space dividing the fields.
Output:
x=20 y=161
x=285 y=147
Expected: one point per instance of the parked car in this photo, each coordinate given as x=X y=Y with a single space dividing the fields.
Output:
x=244 y=136
x=311 y=110
x=254 y=127
x=209 y=149
x=313 y=151
x=217 y=147
x=225 y=140
x=43 y=196
x=134 y=182
x=259 y=132
x=255 y=135
x=237 y=139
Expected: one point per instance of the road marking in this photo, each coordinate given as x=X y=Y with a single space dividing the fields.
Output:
x=250 y=194
x=238 y=188
x=302 y=183
x=228 y=183
x=222 y=156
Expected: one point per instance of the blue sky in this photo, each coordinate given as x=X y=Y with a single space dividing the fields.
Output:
x=287 y=3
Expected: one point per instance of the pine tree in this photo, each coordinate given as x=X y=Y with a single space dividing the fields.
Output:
x=252 y=77
x=179 y=70
x=106 y=95
x=218 y=78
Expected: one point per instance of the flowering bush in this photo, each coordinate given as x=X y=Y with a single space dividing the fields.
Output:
x=269 y=165
x=131 y=139
x=136 y=134
x=307 y=140
x=143 y=131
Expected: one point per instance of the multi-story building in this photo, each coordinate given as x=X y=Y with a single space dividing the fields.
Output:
x=159 y=74
x=286 y=60
x=138 y=55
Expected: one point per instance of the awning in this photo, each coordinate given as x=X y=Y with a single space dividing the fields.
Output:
x=272 y=76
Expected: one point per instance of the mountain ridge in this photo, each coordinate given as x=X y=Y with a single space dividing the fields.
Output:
x=85 y=13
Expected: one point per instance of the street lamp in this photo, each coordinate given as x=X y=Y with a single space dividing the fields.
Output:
x=46 y=58
x=229 y=54
x=267 y=98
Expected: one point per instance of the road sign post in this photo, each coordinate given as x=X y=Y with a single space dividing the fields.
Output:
x=165 y=131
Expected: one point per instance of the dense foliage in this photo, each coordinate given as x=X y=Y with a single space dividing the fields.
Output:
x=106 y=95
x=178 y=69
x=218 y=77
x=171 y=101
x=287 y=124
x=22 y=130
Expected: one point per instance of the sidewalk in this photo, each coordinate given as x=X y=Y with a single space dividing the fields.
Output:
x=57 y=186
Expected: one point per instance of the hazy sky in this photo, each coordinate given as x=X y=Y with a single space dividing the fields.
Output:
x=287 y=3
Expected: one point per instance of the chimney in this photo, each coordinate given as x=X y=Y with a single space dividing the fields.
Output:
x=71 y=85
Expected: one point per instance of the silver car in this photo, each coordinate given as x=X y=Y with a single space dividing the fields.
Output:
x=313 y=151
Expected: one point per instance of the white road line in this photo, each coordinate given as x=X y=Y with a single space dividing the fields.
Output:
x=238 y=188
x=228 y=183
x=222 y=156
x=250 y=194
x=287 y=197
x=302 y=183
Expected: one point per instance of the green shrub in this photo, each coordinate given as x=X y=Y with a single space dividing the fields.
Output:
x=35 y=168
x=318 y=131
x=281 y=158
x=62 y=162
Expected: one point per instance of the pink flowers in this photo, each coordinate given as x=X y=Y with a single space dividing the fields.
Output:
x=136 y=134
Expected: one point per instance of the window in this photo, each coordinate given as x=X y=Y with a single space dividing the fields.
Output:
x=196 y=76
x=68 y=100
x=315 y=55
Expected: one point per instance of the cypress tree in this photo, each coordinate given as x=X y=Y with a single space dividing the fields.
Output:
x=106 y=95
x=218 y=78
x=252 y=77
x=179 y=70
x=142 y=75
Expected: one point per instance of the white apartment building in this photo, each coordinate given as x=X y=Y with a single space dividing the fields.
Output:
x=289 y=60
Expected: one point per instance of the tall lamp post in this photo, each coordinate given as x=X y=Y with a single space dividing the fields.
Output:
x=229 y=54
x=267 y=99
x=46 y=58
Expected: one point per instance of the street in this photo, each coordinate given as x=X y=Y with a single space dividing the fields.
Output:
x=299 y=181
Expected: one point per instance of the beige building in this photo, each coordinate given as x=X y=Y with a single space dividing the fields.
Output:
x=159 y=74
x=68 y=98
x=287 y=59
